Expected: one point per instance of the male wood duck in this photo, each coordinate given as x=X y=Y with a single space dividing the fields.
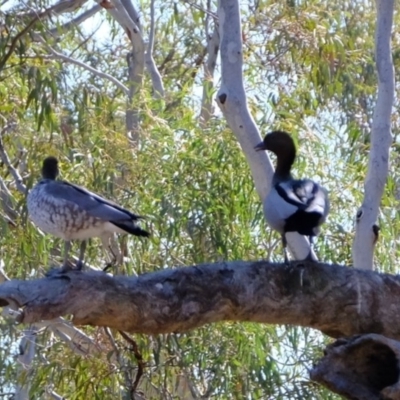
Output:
x=72 y=212
x=292 y=205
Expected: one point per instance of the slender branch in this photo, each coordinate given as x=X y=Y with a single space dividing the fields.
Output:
x=77 y=340
x=136 y=62
x=6 y=201
x=209 y=68
x=54 y=395
x=381 y=139
x=6 y=160
x=158 y=87
x=208 y=12
x=231 y=98
x=27 y=350
x=81 y=64
x=3 y=276
x=57 y=31
x=119 y=358
x=38 y=16
x=61 y=7
x=139 y=359
x=337 y=300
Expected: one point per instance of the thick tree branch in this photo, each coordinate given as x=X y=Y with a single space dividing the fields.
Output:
x=131 y=10
x=361 y=368
x=231 y=98
x=381 y=139
x=337 y=300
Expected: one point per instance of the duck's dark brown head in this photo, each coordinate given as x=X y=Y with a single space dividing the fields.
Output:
x=277 y=142
x=281 y=144
x=50 y=168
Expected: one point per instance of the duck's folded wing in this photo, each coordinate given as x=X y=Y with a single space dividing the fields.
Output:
x=320 y=202
x=92 y=203
x=304 y=194
x=292 y=193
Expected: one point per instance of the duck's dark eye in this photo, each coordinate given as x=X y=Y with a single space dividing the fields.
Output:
x=359 y=214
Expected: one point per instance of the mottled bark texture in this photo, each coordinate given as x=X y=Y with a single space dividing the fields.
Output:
x=338 y=301
x=363 y=368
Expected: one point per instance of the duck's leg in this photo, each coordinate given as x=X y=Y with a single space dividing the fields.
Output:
x=284 y=245
x=309 y=256
x=67 y=247
x=79 y=264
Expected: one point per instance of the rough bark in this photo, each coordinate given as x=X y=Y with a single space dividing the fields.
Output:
x=361 y=368
x=231 y=98
x=381 y=140
x=338 y=301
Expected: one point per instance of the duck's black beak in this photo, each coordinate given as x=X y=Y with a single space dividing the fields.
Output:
x=260 y=146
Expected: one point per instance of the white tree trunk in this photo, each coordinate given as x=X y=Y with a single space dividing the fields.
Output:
x=231 y=98
x=381 y=139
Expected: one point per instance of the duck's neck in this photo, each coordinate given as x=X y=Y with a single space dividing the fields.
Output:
x=49 y=174
x=284 y=165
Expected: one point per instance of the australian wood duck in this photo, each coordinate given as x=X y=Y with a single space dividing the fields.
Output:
x=72 y=212
x=292 y=205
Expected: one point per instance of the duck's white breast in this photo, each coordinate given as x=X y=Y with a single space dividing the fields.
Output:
x=277 y=210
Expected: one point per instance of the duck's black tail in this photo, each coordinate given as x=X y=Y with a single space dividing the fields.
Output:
x=130 y=227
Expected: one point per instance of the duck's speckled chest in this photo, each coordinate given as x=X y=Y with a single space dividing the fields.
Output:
x=60 y=217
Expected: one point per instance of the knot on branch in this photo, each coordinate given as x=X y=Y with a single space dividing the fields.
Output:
x=362 y=367
x=222 y=98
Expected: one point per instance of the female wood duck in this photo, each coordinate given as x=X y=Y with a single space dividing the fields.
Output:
x=292 y=205
x=72 y=212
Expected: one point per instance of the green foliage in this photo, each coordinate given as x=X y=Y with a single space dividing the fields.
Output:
x=309 y=69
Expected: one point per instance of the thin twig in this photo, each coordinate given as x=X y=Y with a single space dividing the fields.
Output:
x=208 y=12
x=150 y=45
x=6 y=160
x=119 y=359
x=156 y=79
x=139 y=359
